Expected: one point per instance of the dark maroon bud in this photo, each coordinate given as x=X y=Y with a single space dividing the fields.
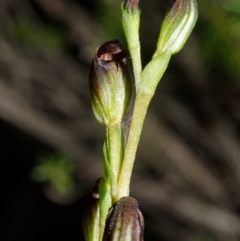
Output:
x=109 y=82
x=124 y=222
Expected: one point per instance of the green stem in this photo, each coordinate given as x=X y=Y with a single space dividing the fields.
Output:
x=137 y=65
x=140 y=109
x=115 y=151
x=113 y=157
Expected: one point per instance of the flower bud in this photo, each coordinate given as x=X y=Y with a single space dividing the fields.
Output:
x=131 y=5
x=109 y=82
x=177 y=26
x=124 y=222
x=131 y=23
x=91 y=215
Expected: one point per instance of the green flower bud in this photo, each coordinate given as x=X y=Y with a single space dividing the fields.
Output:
x=124 y=222
x=109 y=82
x=131 y=22
x=91 y=215
x=177 y=26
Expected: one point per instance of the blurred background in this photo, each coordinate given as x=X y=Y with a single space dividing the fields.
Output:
x=187 y=173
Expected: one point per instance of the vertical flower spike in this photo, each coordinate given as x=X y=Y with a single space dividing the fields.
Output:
x=124 y=222
x=177 y=26
x=109 y=82
x=91 y=215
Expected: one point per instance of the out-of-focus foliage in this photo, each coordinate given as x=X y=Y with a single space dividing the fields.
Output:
x=203 y=237
x=219 y=40
x=38 y=37
x=57 y=170
x=109 y=15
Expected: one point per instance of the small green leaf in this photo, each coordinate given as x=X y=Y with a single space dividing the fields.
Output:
x=153 y=72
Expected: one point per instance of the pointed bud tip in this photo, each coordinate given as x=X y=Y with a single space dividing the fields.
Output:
x=131 y=5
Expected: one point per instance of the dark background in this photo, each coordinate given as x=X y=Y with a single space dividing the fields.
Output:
x=187 y=171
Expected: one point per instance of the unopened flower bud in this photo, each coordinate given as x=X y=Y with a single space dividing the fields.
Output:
x=177 y=26
x=124 y=222
x=131 y=5
x=109 y=82
x=131 y=23
x=91 y=215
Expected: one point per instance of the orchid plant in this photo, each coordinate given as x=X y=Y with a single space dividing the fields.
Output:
x=110 y=213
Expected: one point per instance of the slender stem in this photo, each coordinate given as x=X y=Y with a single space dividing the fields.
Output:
x=136 y=62
x=114 y=141
x=113 y=154
x=140 y=110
